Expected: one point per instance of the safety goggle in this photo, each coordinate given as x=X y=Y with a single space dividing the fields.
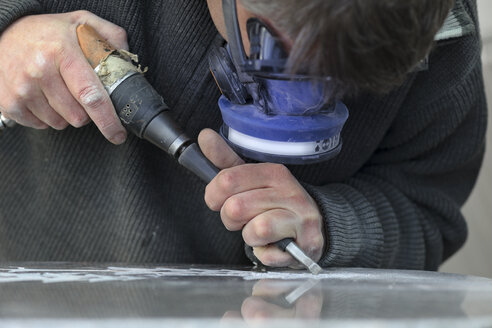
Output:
x=267 y=53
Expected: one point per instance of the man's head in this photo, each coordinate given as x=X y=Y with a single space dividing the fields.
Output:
x=364 y=45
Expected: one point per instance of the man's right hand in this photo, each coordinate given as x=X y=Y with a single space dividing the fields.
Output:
x=45 y=80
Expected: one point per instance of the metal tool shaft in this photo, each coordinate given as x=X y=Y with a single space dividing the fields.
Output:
x=299 y=255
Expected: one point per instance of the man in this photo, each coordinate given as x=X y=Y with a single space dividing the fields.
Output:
x=390 y=199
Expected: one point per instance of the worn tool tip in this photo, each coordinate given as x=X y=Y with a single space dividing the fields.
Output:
x=93 y=45
x=299 y=255
x=315 y=269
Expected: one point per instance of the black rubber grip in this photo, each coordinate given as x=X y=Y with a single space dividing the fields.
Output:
x=193 y=159
x=282 y=244
x=137 y=103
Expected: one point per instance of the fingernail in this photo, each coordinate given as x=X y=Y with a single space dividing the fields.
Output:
x=119 y=138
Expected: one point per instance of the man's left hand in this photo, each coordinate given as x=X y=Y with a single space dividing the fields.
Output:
x=264 y=200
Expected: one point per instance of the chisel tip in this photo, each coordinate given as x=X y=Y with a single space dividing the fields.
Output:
x=315 y=269
x=299 y=255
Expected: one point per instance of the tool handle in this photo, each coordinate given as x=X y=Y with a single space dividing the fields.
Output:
x=282 y=244
x=93 y=45
x=137 y=104
x=193 y=159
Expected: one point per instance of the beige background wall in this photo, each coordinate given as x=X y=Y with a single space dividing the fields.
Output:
x=476 y=257
x=485 y=12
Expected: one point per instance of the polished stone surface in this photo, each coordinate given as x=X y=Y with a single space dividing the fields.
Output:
x=49 y=294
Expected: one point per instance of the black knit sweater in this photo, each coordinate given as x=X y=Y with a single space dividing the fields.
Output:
x=392 y=197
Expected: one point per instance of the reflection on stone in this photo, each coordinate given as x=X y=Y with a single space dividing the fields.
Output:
x=69 y=291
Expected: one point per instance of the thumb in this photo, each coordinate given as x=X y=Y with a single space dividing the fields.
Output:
x=217 y=150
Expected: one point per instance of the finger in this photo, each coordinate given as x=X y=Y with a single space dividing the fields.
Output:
x=274 y=257
x=23 y=116
x=256 y=308
x=39 y=106
x=85 y=87
x=60 y=99
x=271 y=226
x=232 y=315
x=116 y=35
x=310 y=305
x=239 y=209
x=269 y=288
x=242 y=178
x=17 y=111
x=233 y=318
x=307 y=307
x=274 y=225
x=53 y=95
x=216 y=149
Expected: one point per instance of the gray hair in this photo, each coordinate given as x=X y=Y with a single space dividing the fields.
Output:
x=368 y=45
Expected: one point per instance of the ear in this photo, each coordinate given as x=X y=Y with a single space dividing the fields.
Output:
x=216 y=149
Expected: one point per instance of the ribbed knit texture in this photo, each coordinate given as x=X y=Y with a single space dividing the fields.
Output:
x=11 y=10
x=391 y=198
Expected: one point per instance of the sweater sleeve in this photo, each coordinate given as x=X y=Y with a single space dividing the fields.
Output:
x=402 y=208
x=11 y=10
